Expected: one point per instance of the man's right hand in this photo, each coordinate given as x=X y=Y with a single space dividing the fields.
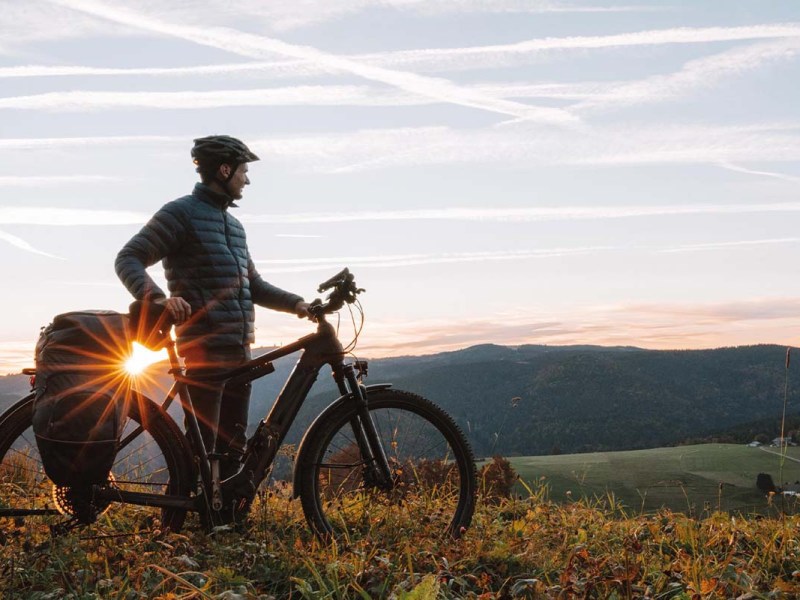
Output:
x=178 y=308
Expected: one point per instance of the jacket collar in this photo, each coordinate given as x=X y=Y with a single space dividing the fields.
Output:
x=205 y=194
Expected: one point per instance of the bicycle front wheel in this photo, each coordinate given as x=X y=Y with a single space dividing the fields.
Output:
x=153 y=457
x=432 y=466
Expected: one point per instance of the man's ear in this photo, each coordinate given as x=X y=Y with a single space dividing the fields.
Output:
x=225 y=171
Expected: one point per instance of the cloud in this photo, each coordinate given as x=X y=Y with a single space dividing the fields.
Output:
x=516 y=147
x=34 y=21
x=51 y=180
x=260 y=47
x=329 y=95
x=85 y=142
x=469 y=58
x=282 y=68
x=67 y=217
x=695 y=74
x=740 y=169
x=509 y=147
x=406 y=260
x=23 y=245
x=507 y=55
x=655 y=326
x=53 y=216
x=283 y=16
x=548 y=213
x=729 y=245
x=15 y=356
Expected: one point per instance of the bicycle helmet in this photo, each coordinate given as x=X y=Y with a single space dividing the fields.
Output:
x=212 y=151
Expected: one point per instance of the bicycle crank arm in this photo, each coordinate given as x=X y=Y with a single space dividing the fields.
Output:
x=145 y=499
x=26 y=512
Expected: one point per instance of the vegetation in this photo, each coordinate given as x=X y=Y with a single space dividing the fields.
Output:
x=693 y=479
x=518 y=547
x=534 y=400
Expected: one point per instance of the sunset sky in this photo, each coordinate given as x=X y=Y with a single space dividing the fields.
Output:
x=507 y=171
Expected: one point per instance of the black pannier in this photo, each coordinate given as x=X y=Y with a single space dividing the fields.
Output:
x=82 y=395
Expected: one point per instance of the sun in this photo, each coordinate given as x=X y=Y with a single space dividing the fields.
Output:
x=141 y=358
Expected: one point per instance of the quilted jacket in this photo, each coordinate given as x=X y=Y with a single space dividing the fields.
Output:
x=204 y=252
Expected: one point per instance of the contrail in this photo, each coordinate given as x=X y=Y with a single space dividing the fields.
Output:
x=739 y=169
x=22 y=215
x=23 y=245
x=260 y=47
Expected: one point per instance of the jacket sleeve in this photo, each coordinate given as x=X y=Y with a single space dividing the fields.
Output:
x=161 y=235
x=267 y=295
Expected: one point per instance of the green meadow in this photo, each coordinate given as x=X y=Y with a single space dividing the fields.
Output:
x=691 y=479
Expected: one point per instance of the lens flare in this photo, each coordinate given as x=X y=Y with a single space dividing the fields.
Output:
x=141 y=358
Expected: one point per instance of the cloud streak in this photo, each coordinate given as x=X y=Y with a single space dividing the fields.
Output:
x=68 y=217
x=328 y=95
x=407 y=260
x=740 y=169
x=59 y=143
x=734 y=244
x=260 y=47
x=23 y=245
x=507 y=55
x=509 y=147
x=695 y=74
x=518 y=147
x=53 y=180
x=655 y=326
x=62 y=217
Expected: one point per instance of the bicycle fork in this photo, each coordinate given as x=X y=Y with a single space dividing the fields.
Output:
x=377 y=471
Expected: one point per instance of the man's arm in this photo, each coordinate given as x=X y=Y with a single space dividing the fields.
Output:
x=160 y=236
x=267 y=295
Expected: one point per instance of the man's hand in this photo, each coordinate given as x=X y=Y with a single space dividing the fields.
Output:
x=178 y=308
x=302 y=312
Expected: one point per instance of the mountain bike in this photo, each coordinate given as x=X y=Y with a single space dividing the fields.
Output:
x=374 y=458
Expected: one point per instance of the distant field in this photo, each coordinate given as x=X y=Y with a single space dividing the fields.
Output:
x=686 y=479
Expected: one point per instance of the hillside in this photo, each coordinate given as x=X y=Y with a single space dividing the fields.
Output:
x=691 y=479
x=571 y=398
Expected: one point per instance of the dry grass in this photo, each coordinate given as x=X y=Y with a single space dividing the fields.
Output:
x=523 y=548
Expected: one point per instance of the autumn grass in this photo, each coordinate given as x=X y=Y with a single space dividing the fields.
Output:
x=526 y=547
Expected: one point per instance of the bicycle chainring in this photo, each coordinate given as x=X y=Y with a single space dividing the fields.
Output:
x=79 y=502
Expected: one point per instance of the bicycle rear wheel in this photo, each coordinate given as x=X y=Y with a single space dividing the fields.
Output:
x=154 y=457
x=433 y=471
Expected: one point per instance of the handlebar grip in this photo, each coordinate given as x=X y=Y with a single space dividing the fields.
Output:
x=338 y=278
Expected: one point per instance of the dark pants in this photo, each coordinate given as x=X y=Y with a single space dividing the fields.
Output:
x=221 y=409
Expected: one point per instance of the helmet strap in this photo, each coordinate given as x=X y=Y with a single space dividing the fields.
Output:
x=223 y=181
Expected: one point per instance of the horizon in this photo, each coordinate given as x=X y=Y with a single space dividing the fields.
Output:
x=258 y=350
x=564 y=172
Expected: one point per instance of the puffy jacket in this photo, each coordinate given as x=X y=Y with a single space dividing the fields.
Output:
x=206 y=261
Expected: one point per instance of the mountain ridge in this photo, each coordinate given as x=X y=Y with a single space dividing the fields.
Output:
x=571 y=398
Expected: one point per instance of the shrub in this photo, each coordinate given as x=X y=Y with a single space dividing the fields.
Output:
x=497 y=479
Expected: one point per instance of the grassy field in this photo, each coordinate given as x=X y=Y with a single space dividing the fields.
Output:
x=692 y=479
x=518 y=548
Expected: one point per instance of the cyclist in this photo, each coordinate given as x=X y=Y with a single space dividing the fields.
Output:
x=213 y=286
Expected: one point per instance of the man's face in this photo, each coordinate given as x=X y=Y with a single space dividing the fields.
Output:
x=238 y=181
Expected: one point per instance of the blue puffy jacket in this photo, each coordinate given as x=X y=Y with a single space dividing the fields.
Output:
x=206 y=261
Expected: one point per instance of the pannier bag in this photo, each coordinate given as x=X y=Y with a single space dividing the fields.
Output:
x=82 y=395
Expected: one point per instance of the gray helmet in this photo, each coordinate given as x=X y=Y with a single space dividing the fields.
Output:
x=214 y=150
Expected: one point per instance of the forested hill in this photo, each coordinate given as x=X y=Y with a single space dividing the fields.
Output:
x=575 y=398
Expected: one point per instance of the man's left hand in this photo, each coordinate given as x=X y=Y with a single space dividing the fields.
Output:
x=302 y=312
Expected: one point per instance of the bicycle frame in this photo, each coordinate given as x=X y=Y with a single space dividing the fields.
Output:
x=318 y=349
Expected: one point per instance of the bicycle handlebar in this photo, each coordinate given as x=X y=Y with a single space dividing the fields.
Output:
x=344 y=291
x=151 y=322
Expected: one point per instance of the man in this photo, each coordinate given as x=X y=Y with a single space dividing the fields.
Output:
x=213 y=286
